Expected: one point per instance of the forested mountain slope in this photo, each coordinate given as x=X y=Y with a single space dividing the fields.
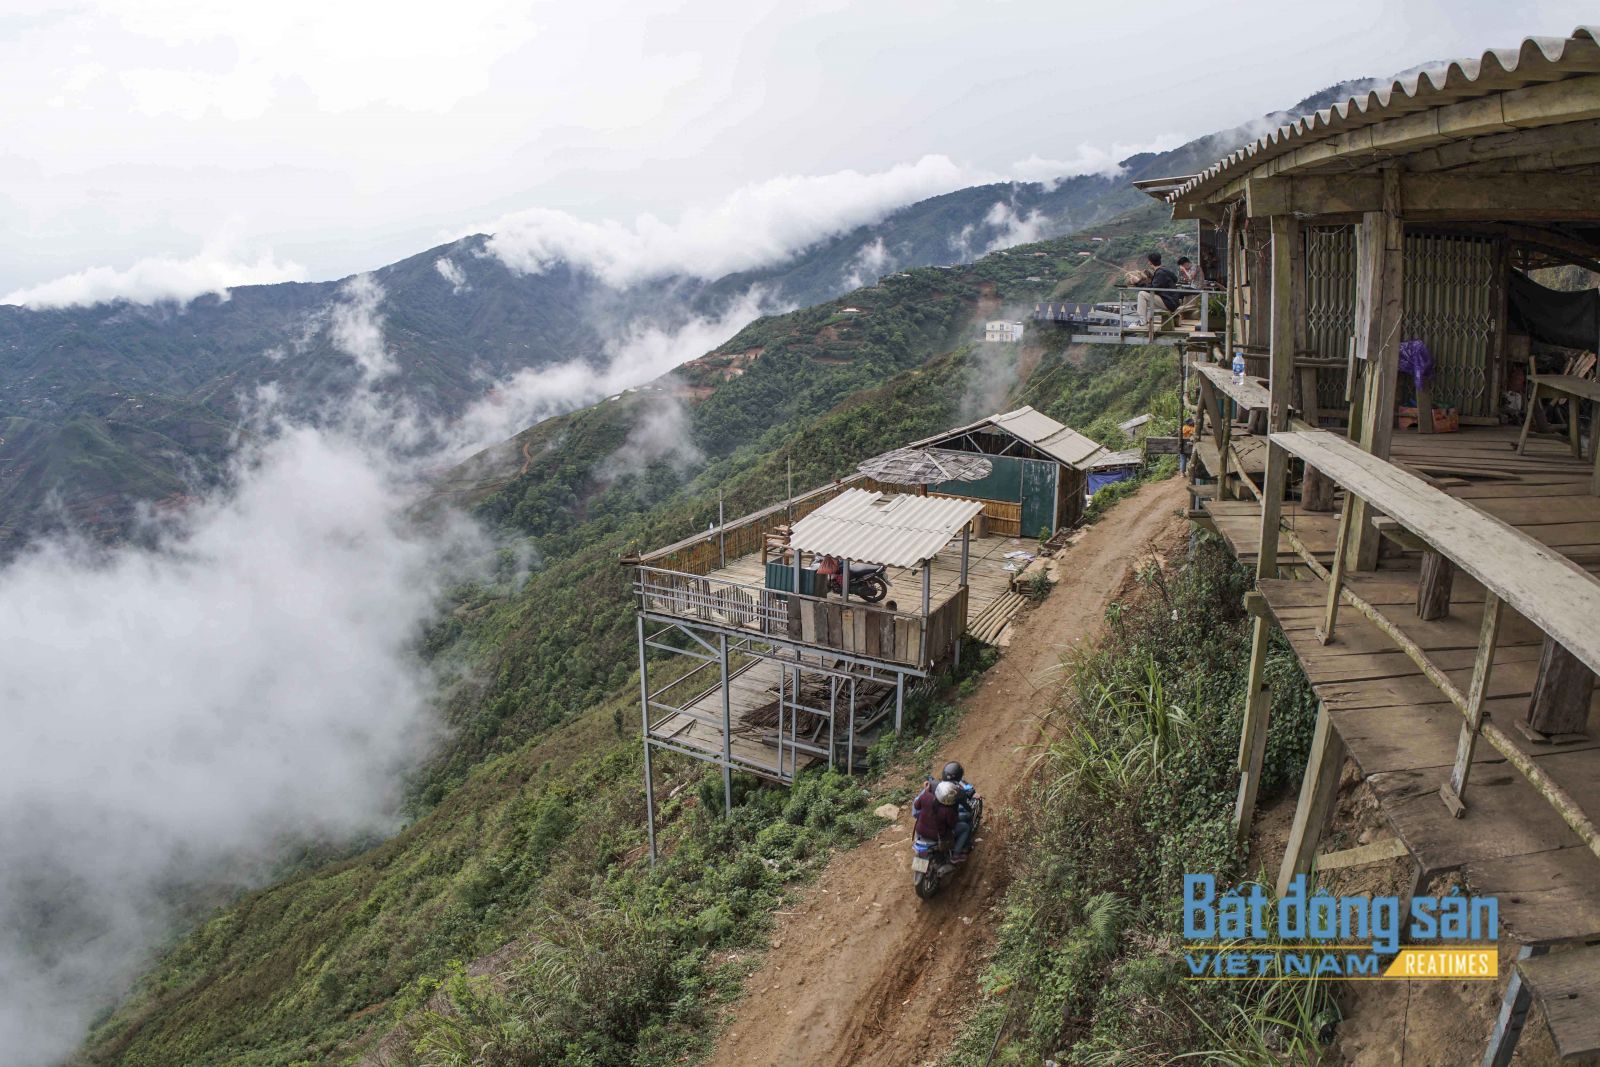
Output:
x=525 y=849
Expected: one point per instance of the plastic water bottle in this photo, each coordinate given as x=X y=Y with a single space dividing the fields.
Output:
x=1238 y=368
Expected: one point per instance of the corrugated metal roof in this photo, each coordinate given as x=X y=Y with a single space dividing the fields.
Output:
x=1536 y=60
x=1041 y=431
x=1048 y=435
x=896 y=529
x=1128 y=457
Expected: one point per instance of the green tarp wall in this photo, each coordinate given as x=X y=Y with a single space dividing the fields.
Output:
x=1029 y=482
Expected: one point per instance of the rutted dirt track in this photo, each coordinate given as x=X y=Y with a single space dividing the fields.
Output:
x=861 y=973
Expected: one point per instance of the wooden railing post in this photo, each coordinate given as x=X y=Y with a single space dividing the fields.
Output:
x=1257 y=716
x=1318 y=790
x=1452 y=793
x=1330 y=617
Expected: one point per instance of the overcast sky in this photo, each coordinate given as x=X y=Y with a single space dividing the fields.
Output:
x=225 y=142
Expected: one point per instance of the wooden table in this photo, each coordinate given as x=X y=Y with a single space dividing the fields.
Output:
x=1576 y=390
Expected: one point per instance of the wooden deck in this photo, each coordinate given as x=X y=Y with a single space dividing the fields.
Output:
x=988 y=578
x=1544 y=493
x=1402 y=731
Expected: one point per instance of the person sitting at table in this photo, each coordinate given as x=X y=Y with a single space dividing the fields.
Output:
x=1157 y=288
x=1188 y=273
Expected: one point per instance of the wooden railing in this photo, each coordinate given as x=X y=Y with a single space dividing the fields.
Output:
x=1561 y=599
x=702 y=553
x=853 y=627
x=1003 y=517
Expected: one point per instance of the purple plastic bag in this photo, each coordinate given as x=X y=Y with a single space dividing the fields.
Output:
x=1416 y=360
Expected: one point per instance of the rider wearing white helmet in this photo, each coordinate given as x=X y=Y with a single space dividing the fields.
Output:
x=953 y=775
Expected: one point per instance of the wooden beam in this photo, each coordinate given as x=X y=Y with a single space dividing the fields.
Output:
x=1380 y=302
x=1361 y=856
x=1489 y=197
x=1318 y=791
x=1518 y=143
x=1288 y=301
x=1561 y=694
x=1316 y=491
x=1433 y=591
x=1253 y=732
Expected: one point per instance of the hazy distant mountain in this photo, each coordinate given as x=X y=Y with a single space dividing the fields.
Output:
x=104 y=407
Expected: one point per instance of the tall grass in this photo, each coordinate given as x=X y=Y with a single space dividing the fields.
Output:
x=1135 y=790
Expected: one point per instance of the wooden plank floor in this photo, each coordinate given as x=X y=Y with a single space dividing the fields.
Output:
x=1401 y=733
x=1544 y=493
x=987 y=577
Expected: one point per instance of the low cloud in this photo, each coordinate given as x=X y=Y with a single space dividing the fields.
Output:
x=451 y=272
x=766 y=222
x=1106 y=162
x=636 y=354
x=183 y=712
x=662 y=434
x=1015 y=229
x=356 y=326
x=155 y=280
x=872 y=262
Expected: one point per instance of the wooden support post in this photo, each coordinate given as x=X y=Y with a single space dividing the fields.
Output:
x=649 y=778
x=1257 y=716
x=899 y=701
x=1454 y=791
x=1316 y=491
x=1433 y=590
x=1380 y=301
x=1513 y=1014
x=1559 y=710
x=727 y=727
x=1425 y=408
x=1224 y=444
x=1288 y=283
x=1318 y=791
x=1330 y=616
x=1308 y=395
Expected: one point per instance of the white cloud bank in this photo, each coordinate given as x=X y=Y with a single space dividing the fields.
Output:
x=149 y=281
x=1106 y=162
x=179 y=714
x=637 y=354
x=759 y=224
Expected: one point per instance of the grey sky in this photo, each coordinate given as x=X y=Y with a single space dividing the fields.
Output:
x=305 y=138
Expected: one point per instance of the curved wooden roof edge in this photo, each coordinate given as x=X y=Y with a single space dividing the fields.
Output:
x=1536 y=60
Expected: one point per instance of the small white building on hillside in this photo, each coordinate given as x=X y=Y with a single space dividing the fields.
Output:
x=1000 y=330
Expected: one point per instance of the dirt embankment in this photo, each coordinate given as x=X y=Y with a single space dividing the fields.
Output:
x=862 y=973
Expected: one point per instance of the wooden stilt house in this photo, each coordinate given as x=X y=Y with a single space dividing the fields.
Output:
x=1411 y=467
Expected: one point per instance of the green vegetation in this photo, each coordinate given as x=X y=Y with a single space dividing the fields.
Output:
x=524 y=853
x=1136 y=790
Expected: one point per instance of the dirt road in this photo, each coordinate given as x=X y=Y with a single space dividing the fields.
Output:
x=861 y=973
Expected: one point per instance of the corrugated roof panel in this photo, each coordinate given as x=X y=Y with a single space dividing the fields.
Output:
x=1537 y=60
x=1048 y=436
x=896 y=529
x=1128 y=457
x=1041 y=431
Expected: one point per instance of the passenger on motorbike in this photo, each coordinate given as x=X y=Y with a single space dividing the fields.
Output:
x=954 y=773
x=935 y=810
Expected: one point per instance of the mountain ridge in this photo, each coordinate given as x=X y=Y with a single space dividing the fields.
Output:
x=109 y=407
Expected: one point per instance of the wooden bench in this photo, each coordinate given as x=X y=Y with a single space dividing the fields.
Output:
x=1576 y=390
x=1551 y=592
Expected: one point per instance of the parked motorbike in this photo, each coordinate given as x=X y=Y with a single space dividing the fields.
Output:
x=931 y=866
x=867 y=582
